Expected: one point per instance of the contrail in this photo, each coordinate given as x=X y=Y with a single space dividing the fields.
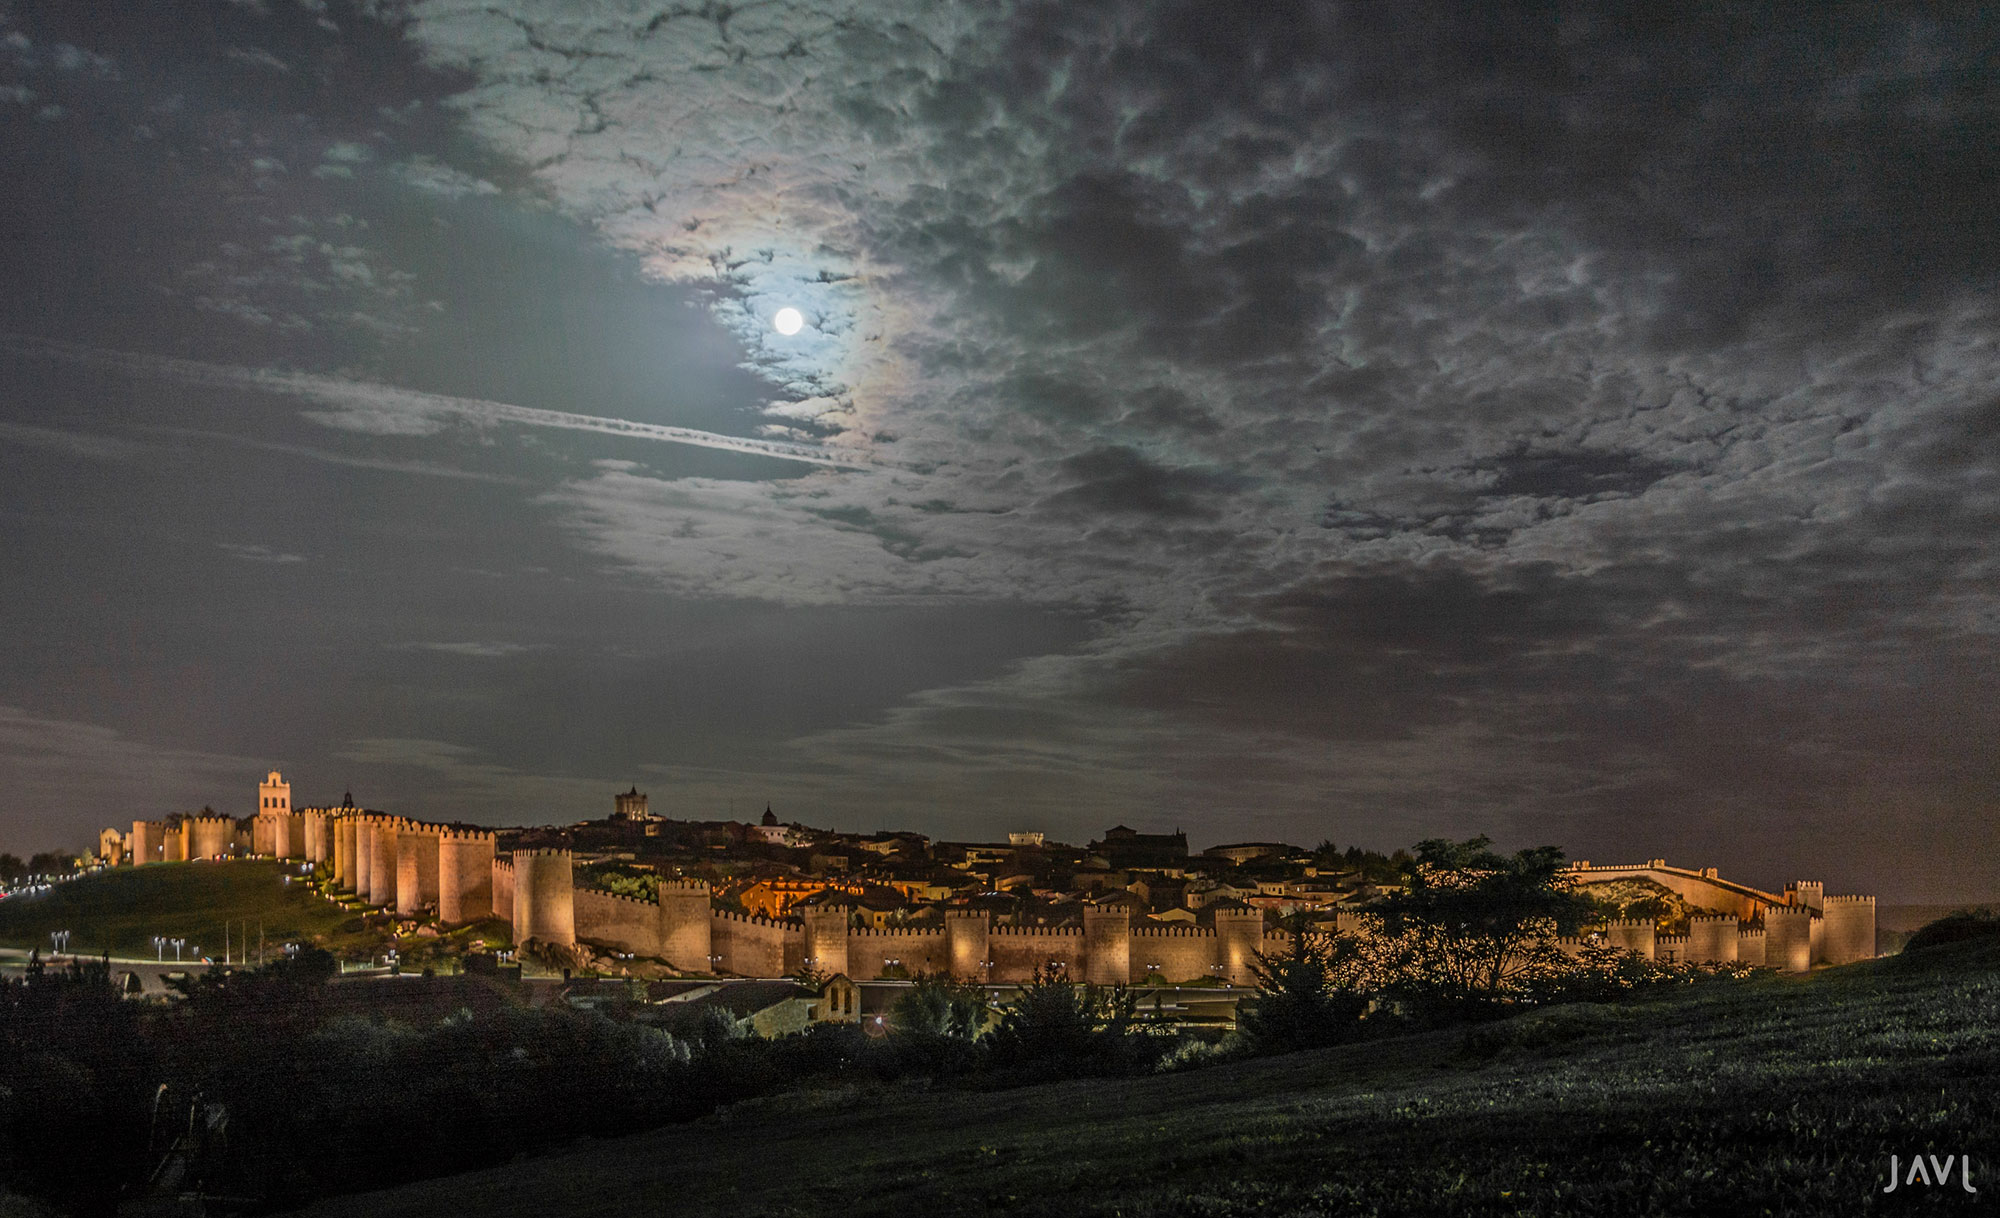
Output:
x=414 y=406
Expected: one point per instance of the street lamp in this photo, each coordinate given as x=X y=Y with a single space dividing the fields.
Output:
x=159 y=948
x=178 y=944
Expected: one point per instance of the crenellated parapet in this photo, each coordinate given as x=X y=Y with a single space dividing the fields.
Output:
x=1712 y=939
x=464 y=875
x=784 y=924
x=209 y=837
x=417 y=856
x=1808 y=893
x=1849 y=933
x=1788 y=936
x=544 y=896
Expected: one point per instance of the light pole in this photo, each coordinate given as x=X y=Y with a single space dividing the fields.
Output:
x=178 y=943
x=159 y=948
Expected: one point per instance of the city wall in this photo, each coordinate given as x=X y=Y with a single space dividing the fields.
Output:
x=415 y=869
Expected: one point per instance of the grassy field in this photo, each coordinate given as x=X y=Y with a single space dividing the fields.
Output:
x=120 y=911
x=1777 y=1096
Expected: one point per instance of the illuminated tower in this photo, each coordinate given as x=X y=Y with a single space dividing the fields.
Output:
x=274 y=796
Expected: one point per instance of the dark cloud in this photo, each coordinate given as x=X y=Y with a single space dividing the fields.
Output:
x=1120 y=481
x=1570 y=420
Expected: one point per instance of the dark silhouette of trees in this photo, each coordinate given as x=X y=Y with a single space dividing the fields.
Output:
x=1054 y=1026
x=78 y=1081
x=1471 y=925
x=1308 y=998
x=1956 y=927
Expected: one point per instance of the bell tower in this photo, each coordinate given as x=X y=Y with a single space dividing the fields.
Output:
x=274 y=796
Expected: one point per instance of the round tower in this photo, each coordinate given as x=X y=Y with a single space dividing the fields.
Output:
x=1712 y=940
x=1107 y=943
x=465 y=876
x=210 y=836
x=1850 y=929
x=826 y=938
x=364 y=859
x=685 y=925
x=382 y=863
x=1636 y=935
x=176 y=839
x=148 y=842
x=544 y=897
x=1788 y=938
x=342 y=832
x=315 y=826
x=416 y=869
x=1239 y=937
x=966 y=943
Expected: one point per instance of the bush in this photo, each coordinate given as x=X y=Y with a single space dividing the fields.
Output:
x=1958 y=927
x=1306 y=999
x=1055 y=1027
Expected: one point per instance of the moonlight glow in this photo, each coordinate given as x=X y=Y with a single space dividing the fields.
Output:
x=788 y=321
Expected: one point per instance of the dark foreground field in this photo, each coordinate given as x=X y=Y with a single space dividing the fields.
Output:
x=1782 y=1096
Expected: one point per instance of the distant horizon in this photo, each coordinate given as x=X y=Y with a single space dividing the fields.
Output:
x=1195 y=844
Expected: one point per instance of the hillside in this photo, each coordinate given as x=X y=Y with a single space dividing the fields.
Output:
x=1780 y=1096
x=119 y=911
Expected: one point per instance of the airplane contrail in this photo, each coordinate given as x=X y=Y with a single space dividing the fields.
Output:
x=414 y=406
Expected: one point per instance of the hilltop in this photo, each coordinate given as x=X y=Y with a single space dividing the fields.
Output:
x=1778 y=1096
x=118 y=911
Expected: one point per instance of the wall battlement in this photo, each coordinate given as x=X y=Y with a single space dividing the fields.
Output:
x=642 y=902
x=896 y=932
x=409 y=865
x=730 y=915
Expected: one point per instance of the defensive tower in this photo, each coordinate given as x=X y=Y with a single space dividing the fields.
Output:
x=544 y=897
x=826 y=938
x=1788 y=938
x=966 y=943
x=685 y=935
x=1107 y=943
x=465 y=876
x=1850 y=929
x=1239 y=936
x=416 y=869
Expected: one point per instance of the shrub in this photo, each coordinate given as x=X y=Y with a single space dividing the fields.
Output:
x=1957 y=927
x=1307 y=998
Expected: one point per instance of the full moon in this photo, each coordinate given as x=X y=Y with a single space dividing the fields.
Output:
x=788 y=320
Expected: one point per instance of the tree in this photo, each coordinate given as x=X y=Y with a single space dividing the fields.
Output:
x=1058 y=1026
x=1307 y=998
x=52 y=862
x=76 y=1078
x=1470 y=922
x=940 y=1007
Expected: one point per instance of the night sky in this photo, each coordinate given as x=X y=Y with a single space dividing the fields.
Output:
x=1275 y=421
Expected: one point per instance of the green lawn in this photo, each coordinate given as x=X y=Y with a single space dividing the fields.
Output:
x=1782 y=1096
x=120 y=910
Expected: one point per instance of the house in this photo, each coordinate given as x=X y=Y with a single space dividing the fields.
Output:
x=768 y=1009
x=1124 y=847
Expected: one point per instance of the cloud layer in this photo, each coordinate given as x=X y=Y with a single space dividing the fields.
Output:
x=1564 y=423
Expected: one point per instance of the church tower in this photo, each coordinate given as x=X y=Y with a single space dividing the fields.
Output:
x=274 y=796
